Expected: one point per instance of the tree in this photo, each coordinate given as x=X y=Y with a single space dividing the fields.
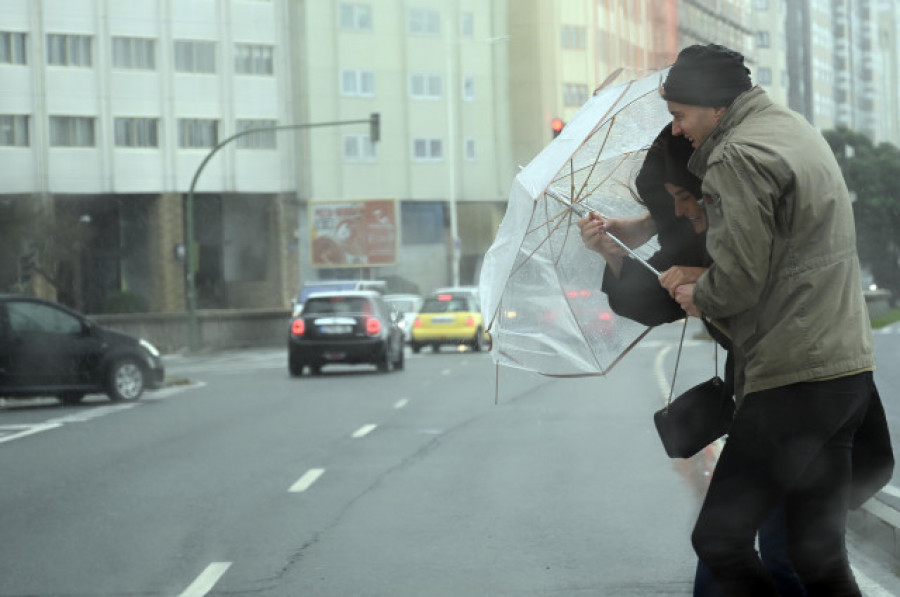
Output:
x=871 y=175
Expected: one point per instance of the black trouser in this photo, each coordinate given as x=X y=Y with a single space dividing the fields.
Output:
x=791 y=443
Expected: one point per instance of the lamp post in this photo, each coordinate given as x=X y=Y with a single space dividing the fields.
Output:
x=374 y=122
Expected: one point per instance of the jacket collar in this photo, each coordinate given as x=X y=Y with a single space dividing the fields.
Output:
x=750 y=101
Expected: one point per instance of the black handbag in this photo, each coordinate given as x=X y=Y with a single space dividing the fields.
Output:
x=695 y=418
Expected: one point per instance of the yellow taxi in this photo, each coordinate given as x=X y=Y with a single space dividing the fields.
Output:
x=449 y=318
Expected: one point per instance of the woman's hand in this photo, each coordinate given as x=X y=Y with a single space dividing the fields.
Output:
x=595 y=238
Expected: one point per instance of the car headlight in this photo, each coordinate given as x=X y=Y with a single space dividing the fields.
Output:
x=150 y=348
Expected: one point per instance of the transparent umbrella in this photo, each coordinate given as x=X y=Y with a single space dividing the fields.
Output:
x=540 y=287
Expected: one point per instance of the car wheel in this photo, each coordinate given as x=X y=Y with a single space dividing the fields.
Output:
x=436 y=347
x=315 y=369
x=295 y=367
x=398 y=364
x=126 y=381
x=384 y=363
x=70 y=397
x=477 y=341
x=416 y=347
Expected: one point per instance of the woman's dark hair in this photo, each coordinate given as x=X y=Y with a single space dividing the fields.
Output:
x=666 y=161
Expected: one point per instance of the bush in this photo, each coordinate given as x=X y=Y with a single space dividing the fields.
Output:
x=126 y=302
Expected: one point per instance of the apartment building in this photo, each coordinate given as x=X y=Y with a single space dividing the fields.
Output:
x=108 y=110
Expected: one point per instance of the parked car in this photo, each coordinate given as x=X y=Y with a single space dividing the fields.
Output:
x=379 y=286
x=351 y=326
x=47 y=349
x=407 y=305
x=449 y=318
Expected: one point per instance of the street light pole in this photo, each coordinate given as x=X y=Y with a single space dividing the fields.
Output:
x=374 y=122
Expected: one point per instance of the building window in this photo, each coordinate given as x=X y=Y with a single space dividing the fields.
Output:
x=257 y=139
x=470 y=150
x=358 y=83
x=69 y=50
x=468 y=88
x=134 y=52
x=764 y=75
x=575 y=94
x=137 y=132
x=424 y=22
x=422 y=222
x=253 y=60
x=358 y=148
x=467 y=25
x=195 y=56
x=424 y=86
x=198 y=132
x=428 y=150
x=574 y=37
x=13 y=130
x=762 y=39
x=71 y=131
x=356 y=16
x=12 y=48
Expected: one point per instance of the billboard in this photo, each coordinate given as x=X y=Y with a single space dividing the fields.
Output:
x=353 y=233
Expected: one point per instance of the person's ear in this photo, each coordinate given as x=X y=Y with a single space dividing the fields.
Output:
x=719 y=112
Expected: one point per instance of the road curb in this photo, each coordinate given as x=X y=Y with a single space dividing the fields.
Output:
x=879 y=524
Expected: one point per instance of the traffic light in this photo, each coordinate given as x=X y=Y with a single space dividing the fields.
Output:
x=375 y=127
x=557 y=125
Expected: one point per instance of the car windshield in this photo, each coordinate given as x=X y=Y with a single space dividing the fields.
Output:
x=334 y=305
x=438 y=305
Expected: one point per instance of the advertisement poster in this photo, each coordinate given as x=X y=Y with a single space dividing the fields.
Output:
x=353 y=233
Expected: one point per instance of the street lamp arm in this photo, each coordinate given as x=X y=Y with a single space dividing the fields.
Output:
x=193 y=336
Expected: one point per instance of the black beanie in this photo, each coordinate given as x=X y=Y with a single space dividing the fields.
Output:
x=710 y=75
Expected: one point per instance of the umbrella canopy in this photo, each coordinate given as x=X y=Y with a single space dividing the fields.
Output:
x=540 y=287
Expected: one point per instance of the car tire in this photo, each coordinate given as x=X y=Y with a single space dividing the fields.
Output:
x=70 y=398
x=398 y=364
x=295 y=366
x=477 y=341
x=435 y=347
x=315 y=369
x=126 y=380
x=416 y=347
x=384 y=363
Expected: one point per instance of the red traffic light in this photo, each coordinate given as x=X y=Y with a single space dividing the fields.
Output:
x=557 y=125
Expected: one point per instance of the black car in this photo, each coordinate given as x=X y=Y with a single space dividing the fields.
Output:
x=351 y=327
x=47 y=349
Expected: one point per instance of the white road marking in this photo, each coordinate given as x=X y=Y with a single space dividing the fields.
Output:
x=661 y=379
x=891 y=490
x=207 y=580
x=308 y=478
x=401 y=403
x=869 y=587
x=93 y=413
x=446 y=372
x=364 y=430
x=20 y=431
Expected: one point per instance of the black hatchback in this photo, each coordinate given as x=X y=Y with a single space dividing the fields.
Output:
x=47 y=349
x=349 y=327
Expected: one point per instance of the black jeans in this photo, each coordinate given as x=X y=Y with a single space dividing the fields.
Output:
x=791 y=443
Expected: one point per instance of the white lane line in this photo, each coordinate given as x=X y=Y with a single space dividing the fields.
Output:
x=207 y=580
x=661 y=379
x=364 y=431
x=891 y=490
x=23 y=430
x=401 y=403
x=308 y=478
x=869 y=587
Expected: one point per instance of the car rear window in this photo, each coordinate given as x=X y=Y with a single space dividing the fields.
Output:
x=452 y=305
x=332 y=305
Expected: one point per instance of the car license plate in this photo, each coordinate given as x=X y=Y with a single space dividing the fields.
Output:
x=335 y=329
x=334 y=356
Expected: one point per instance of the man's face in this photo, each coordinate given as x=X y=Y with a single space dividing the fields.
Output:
x=694 y=122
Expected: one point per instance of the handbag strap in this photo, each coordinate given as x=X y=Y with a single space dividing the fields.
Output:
x=678 y=360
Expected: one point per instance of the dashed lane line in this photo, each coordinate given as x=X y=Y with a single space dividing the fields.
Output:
x=306 y=481
x=207 y=580
x=364 y=431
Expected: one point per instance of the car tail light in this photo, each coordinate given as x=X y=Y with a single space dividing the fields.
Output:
x=298 y=327
x=470 y=321
x=417 y=323
x=373 y=326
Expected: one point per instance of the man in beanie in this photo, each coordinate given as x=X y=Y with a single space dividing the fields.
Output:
x=785 y=279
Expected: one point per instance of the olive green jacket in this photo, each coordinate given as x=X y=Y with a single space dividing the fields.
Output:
x=786 y=277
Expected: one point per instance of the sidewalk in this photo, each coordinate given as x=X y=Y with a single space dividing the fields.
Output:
x=878 y=523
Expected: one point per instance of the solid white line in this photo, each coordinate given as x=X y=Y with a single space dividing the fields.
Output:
x=364 y=430
x=891 y=490
x=401 y=403
x=308 y=478
x=26 y=430
x=207 y=580
x=869 y=587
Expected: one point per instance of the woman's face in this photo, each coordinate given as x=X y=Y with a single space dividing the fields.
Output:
x=687 y=206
